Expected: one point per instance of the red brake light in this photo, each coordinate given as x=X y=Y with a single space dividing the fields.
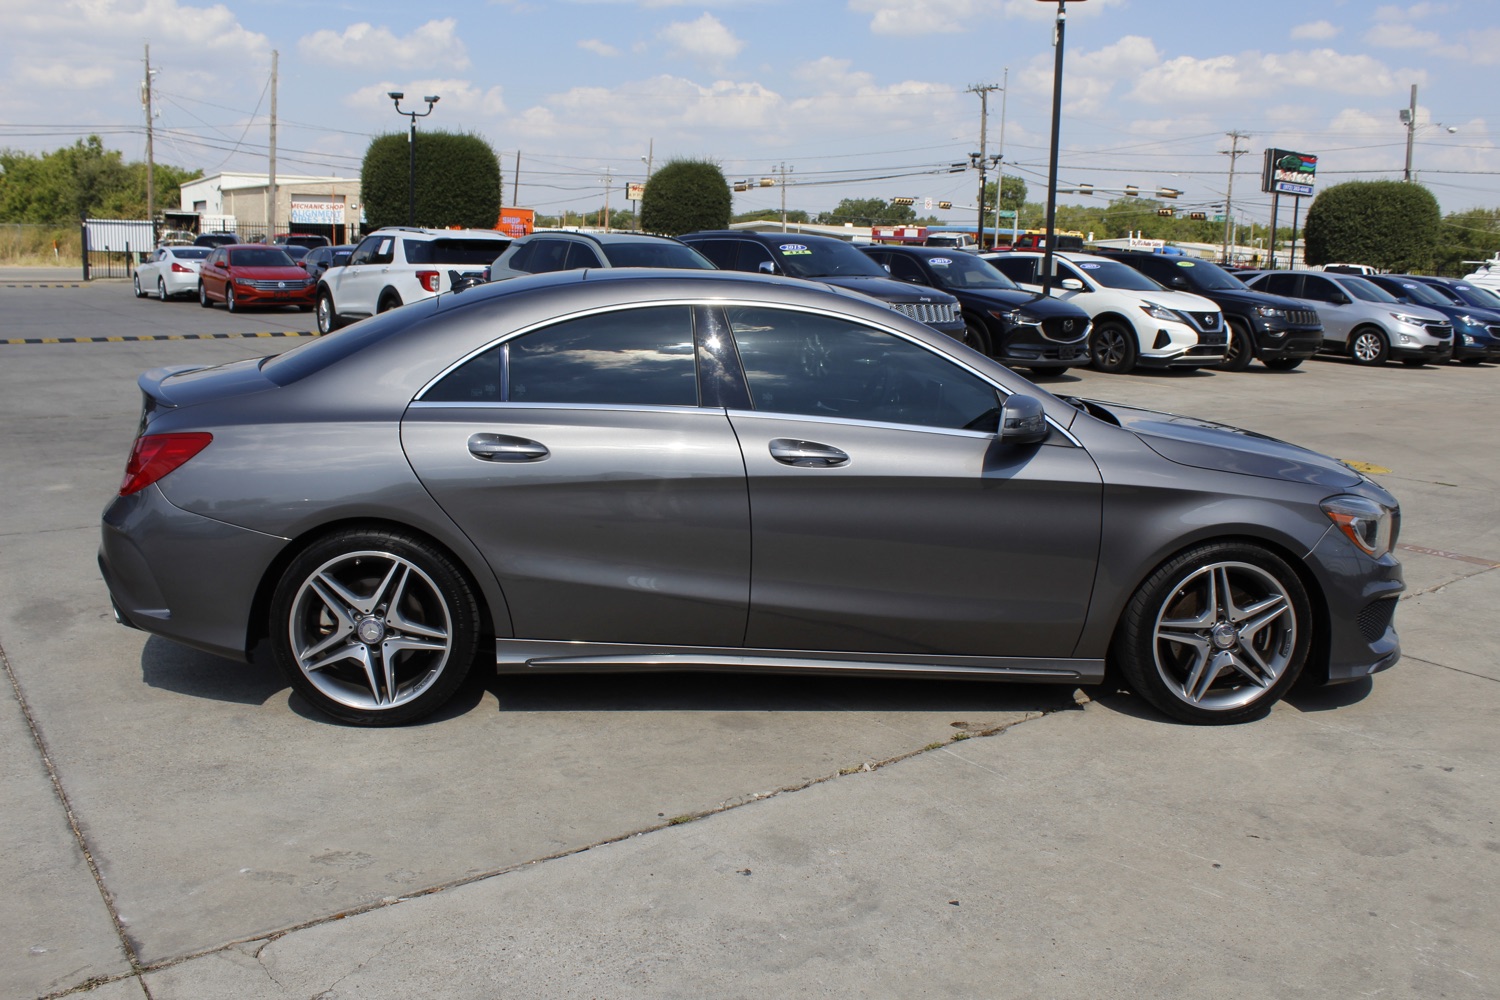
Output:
x=181 y=269
x=429 y=280
x=155 y=455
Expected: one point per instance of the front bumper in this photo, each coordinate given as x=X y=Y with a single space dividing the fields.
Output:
x=1361 y=596
x=249 y=295
x=1276 y=342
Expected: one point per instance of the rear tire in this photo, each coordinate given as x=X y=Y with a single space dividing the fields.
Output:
x=1367 y=346
x=161 y=290
x=1217 y=634
x=136 y=280
x=388 y=302
x=1112 y=348
x=203 y=299
x=375 y=627
x=328 y=320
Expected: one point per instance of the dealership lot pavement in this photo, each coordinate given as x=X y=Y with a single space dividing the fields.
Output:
x=180 y=826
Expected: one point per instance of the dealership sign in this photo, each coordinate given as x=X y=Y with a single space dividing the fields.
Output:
x=1286 y=172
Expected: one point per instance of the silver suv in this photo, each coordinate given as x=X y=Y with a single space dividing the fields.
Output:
x=1363 y=320
x=396 y=265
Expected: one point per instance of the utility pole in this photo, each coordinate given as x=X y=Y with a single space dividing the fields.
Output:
x=151 y=156
x=783 y=169
x=978 y=160
x=1000 y=155
x=515 y=182
x=271 y=174
x=1234 y=153
x=609 y=177
x=1411 y=130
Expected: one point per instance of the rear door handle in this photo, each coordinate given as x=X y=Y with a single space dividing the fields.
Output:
x=807 y=454
x=504 y=448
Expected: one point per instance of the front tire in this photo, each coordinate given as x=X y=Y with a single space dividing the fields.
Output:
x=375 y=627
x=1217 y=634
x=975 y=337
x=1241 y=349
x=1112 y=348
x=1367 y=346
x=229 y=302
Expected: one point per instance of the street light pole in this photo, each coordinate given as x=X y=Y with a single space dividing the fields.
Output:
x=1057 y=69
x=411 y=170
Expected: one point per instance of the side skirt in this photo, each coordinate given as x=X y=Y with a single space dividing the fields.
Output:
x=522 y=656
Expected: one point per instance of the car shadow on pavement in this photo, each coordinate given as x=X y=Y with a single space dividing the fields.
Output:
x=1327 y=697
x=171 y=667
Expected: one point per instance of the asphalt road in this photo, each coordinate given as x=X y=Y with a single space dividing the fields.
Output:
x=180 y=826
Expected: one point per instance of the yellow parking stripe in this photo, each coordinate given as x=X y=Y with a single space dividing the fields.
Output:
x=160 y=336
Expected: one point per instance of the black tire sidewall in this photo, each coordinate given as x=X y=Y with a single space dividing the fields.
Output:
x=1238 y=335
x=463 y=609
x=1127 y=340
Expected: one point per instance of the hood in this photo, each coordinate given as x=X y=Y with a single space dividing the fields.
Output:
x=888 y=289
x=1203 y=444
x=1019 y=298
x=1173 y=299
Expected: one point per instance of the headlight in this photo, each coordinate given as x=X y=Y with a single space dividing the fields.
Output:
x=1413 y=320
x=1024 y=318
x=1364 y=522
x=1010 y=317
x=1159 y=312
x=1270 y=312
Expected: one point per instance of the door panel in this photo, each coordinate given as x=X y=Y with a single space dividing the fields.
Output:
x=925 y=540
x=633 y=527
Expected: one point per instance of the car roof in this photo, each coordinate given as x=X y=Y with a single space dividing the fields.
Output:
x=761 y=237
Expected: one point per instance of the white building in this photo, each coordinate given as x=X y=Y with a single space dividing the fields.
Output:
x=241 y=203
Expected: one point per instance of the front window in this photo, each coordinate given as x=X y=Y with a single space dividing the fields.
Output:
x=820 y=366
x=815 y=258
x=656 y=254
x=1113 y=274
x=965 y=271
x=260 y=257
x=1359 y=288
x=1208 y=276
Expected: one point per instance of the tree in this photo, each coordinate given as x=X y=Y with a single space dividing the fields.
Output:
x=1471 y=235
x=868 y=212
x=457 y=181
x=773 y=215
x=83 y=180
x=685 y=196
x=1393 y=225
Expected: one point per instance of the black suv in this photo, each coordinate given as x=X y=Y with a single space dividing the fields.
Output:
x=832 y=262
x=1281 y=332
x=1015 y=327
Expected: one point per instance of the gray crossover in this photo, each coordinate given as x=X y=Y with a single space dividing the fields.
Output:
x=637 y=470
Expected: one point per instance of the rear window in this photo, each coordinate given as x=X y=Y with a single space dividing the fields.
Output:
x=191 y=253
x=453 y=251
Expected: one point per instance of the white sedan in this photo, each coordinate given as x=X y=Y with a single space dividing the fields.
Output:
x=172 y=270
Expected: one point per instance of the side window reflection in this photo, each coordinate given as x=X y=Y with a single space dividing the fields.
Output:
x=628 y=357
x=811 y=365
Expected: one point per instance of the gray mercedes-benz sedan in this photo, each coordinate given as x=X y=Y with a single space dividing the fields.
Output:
x=675 y=470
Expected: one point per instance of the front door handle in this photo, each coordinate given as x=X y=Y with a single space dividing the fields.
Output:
x=807 y=454
x=504 y=448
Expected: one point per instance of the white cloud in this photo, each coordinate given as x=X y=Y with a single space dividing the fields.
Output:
x=705 y=39
x=364 y=45
x=1255 y=74
x=598 y=48
x=1400 y=36
x=911 y=18
x=457 y=97
x=1314 y=31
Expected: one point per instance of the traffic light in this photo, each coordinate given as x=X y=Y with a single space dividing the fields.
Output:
x=1166 y=211
x=945 y=204
x=903 y=201
x=1167 y=192
x=741 y=186
x=1197 y=216
x=767 y=182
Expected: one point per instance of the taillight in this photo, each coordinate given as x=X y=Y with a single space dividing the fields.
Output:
x=429 y=280
x=180 y=269
x=155 y=455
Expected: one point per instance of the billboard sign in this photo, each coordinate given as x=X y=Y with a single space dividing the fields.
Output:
x=317 y=211
x=1286 y=172
x=635 y=192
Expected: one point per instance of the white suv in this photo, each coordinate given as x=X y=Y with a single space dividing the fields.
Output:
x=396 y=265
x=1136 y=320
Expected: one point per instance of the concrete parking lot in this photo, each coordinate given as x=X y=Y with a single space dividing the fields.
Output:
x=182 y=827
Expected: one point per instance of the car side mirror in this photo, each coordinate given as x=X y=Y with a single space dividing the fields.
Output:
x=1178 y=281
x=1071 y=285
x=1022 y=420
x=766 y=267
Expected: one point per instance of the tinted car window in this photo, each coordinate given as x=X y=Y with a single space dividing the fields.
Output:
x=1279 y=284
x=751 y=256
x=582 y=255
x=629 y=357
x=260 y=257
x=1360 y=288
x=1416 y=291
x=1321 y=289
x=365 y=250
x=965 y=271
x=822 y=259
x=1019 y=269
x=720 y=252
x=819 y=366
x=384 y=251
x=655 y=254
x=191 y=253
x=452 y=251
x=905 y=269
x=1204 y=274
x=1113 y=274
x=546 y=255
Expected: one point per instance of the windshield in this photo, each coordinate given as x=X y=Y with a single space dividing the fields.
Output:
x=1210 y=276
x=654 y=253
x=1420 y=293
x=966 y=271
x=260 y=257
x=1367 y=290
x=1482 y=297
x=454 y=251
x=817 y=258
x=1113 y=274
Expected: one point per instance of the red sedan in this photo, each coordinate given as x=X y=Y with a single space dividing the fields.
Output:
x=242 y=275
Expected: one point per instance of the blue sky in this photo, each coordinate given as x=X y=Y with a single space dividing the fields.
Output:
x=856 y=98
